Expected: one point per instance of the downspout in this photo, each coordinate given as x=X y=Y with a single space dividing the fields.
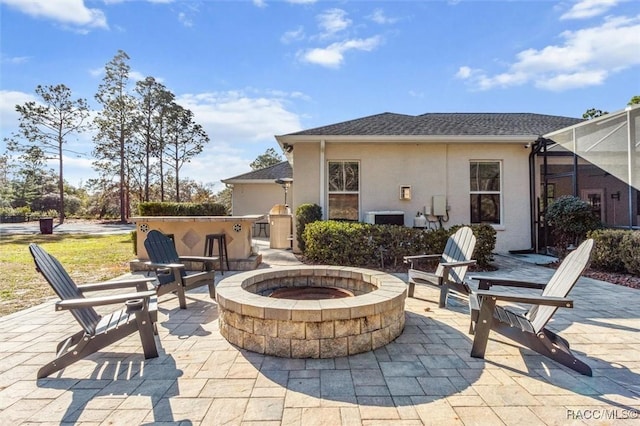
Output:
x=575 y=165
x=535 y=149
x=322 y=181
x=630 y=157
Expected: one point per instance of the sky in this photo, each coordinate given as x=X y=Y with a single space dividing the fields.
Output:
x=250 y=70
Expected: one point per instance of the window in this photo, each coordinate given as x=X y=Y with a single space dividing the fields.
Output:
x=485 y=192
x=344 y=190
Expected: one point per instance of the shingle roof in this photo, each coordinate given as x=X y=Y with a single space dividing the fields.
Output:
x=445 y=124
x=277 y=171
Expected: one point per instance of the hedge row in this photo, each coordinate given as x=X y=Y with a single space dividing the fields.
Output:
x=616 y=250
x=366 y=245
x=23 y=214
x=181 y=209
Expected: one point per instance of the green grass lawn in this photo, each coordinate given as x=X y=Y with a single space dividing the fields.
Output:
x=87 y=258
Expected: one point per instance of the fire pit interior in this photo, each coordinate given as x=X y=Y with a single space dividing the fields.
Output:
x=311 y=311
x=310 y=293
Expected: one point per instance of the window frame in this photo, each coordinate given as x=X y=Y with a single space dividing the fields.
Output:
x=480 y=191
x=344 y=191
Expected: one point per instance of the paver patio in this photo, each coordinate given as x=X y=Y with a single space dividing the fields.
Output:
x=426 y=376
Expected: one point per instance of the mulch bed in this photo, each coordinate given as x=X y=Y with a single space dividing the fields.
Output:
x=626 y=280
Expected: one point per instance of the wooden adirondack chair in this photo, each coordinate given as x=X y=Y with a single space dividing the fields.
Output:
x=451 y=270
x=170 y=269
x=138 y=315
x=529 y=329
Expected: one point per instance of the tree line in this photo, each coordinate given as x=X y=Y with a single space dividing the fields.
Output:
x=142 y=138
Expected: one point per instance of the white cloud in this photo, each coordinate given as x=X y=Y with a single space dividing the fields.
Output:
x=333 y=21
x=589 y=8
x=301 y=1
x=293 y=35
x=239 y=123
x=238 y=117
x=464 y=72
x=15 y=60
x=378 y=16
x=575 y=80
x=67 y=12
x=8 y=115
x=587 y=57
x=332 y=56
x=185 y=20
x=260 y=3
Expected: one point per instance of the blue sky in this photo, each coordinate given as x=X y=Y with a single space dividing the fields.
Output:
x=250 y=70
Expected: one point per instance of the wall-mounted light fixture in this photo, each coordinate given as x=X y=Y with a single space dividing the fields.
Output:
x=287 y=147
x=615 y=196
x=405 y=192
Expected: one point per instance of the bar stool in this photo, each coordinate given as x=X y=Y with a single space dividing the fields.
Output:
x=262 y=227
x=222 y=248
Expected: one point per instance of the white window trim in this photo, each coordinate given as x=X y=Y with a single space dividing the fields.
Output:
x=329 y=191
x=498 y=226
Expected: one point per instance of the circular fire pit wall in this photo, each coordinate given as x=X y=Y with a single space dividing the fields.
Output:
x=324 y=328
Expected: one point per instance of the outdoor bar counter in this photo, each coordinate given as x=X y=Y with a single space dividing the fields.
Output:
x=189 y=234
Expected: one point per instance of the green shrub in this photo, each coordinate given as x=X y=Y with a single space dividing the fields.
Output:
x=181 y=209
x=13 y=215
x=571 y=219
x=365 y=245
x=630 y=252
x=339 y=243
x=305 y=214
x=606 y=254
x=485 y=242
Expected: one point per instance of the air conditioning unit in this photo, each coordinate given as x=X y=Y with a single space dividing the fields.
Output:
x=385 y=217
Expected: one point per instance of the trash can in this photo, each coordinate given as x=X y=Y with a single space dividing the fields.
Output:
x=280 y=227
x=46 y=225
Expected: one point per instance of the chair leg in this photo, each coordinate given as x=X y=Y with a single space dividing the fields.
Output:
x=68 y=342
x=182 y=299
x=86 y=346
x=146 y=331
x=412 y=288
x=483 y=328
x=444 y=293
x=558 y=350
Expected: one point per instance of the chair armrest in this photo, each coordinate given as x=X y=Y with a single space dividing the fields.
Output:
x=486 y=282
x=164 y=265
x=460 y=263
x=202 y=259
x=422 y=256
x=528 y=299
x=110 y=285
x=102 y=300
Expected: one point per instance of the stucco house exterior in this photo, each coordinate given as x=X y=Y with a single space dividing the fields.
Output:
x=456 y=168
x=256 y=192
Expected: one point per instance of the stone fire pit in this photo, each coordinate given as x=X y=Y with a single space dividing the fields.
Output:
x=324 y=328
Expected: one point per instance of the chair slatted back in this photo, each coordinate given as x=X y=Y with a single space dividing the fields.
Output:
x=63 y=285
x=459 y=248
x=161 y=249
x=561 y=283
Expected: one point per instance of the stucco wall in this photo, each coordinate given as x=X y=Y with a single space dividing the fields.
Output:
x=254 y=198
x=430 y=169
